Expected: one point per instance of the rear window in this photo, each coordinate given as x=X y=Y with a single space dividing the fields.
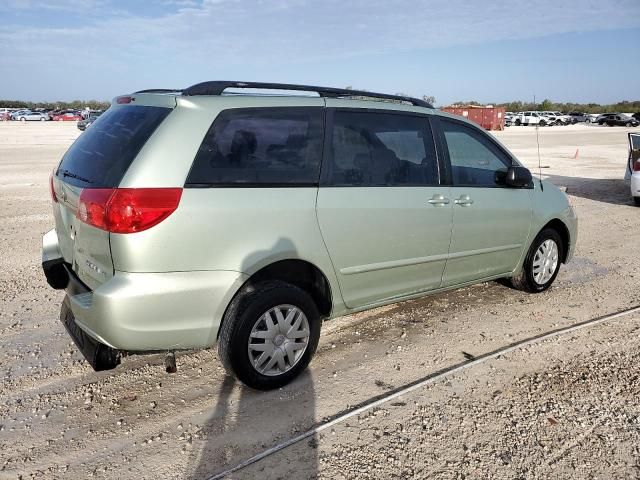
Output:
x=260 y=146
x=100 y=157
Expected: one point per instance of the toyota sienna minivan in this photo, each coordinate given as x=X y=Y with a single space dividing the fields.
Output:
x=245 y=214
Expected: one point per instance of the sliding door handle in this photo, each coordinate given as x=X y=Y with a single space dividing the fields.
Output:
x=439 y=199
x=463 y=201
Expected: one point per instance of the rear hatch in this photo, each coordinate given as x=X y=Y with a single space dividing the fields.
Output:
x=98 y=159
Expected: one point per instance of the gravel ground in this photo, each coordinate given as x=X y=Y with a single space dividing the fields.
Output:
x=565 y=408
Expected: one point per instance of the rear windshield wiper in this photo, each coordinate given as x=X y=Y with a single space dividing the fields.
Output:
x=67 y=173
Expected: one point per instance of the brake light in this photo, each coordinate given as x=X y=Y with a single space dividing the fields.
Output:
x=636 y=165
x=127 y=210
x=122 y=100
x=51 y=189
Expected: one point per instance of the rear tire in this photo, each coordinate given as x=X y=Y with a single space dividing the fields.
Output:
x=243 y=330
x=628 y=124
x=22 y=119
x=537 y=275
x=636 y=200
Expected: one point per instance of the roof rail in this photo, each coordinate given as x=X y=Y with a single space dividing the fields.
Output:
x=219 y=86
x=160 y=90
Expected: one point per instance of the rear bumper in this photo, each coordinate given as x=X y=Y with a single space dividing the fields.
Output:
x=156 y=311
x=138 y=312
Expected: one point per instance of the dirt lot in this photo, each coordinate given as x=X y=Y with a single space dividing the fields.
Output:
x=563 y=408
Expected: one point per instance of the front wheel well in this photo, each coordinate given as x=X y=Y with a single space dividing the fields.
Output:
x=563 y=231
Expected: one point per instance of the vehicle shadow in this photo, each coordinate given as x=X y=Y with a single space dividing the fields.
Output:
x=245 y=422
x=605 y=190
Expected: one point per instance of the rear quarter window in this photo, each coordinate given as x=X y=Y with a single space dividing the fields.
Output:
x=100 y=157
x=260 y=146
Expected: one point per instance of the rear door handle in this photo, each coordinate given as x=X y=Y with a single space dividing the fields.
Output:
x=463 y=201
x=439 y=199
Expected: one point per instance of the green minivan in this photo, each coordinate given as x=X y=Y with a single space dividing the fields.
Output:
x=245 y=214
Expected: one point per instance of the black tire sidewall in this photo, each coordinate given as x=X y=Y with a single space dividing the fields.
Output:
x=241 y=318
x=543 y=236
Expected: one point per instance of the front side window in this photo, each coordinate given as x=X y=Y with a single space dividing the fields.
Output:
x=380 y=149
x=260 y=146
x=475 y=160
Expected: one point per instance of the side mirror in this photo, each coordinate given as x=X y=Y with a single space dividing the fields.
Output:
x=518 y=177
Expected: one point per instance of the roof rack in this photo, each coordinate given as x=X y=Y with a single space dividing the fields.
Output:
x=219 y=86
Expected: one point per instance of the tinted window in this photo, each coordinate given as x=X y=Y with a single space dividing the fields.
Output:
x=379 y=149
x=474 y=158
x=101 y=156
x=259 y=146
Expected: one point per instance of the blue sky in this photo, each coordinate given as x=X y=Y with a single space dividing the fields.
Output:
x=485 y=50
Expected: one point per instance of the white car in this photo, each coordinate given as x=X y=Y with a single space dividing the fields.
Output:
x=532 y=118
x=565 y=119
x=553 y=118
x=632 y=173
x=509 y=118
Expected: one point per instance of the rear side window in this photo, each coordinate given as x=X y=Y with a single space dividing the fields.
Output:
x=475 y=160
x=260 y=146
x=380 y=149
x=100 y=157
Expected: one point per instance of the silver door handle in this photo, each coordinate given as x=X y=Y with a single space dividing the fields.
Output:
x=464 y=201
x=439 y=200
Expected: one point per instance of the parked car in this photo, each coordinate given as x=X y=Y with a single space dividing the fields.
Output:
x=85 y=123
x=620 y=120
x=563 y=118
x=509 y=119
x=16 y=114
x=189 y=218
x=532 y=118
x=67 y=117
x=28 y=116
x=552 y=118
x=579 y=117
x=600 y=119
x=57 y=113
x=632 y=173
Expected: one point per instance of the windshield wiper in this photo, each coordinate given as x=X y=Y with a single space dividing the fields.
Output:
x=67 y=173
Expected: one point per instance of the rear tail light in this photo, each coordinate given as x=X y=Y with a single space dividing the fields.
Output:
x=127 y=210
x=636 y=165
x=52 y=190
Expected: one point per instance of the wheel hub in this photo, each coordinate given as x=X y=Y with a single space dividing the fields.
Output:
x=545 y=261
x=278 y=340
